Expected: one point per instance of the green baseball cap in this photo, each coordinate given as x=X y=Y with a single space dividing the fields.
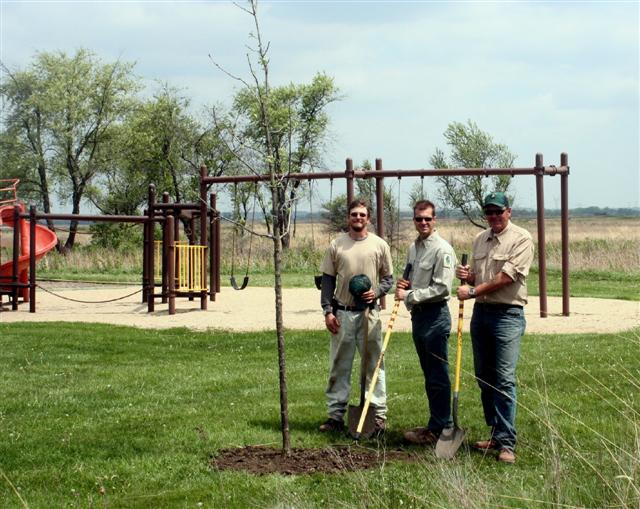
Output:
x=497 y=198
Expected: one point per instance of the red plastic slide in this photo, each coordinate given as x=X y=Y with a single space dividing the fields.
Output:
x=46 y=240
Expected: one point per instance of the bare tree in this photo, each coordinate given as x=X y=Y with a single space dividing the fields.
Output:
x=255 y=159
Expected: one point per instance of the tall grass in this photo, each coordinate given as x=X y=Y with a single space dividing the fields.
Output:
x=97 y=264
x=599 y=249
x=103 y=416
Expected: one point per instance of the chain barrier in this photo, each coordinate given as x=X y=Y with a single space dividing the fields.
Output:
x=87 y=301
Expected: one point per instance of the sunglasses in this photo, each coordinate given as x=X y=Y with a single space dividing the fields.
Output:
x=358 y=214
x=493 y=212
x=422 y=219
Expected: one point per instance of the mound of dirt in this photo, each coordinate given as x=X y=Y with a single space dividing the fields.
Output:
x=267 y=460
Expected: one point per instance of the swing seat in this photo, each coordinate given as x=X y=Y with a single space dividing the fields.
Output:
x=234 y=283
x=318 y=282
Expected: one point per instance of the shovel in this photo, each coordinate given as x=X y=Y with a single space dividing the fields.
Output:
x=361 y=412
x=451 y=438
x=362 y=429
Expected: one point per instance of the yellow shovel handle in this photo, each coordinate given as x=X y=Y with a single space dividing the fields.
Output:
x=456 y=385
x=374 y=377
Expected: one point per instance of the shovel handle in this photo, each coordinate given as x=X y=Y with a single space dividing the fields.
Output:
x=456 y=385
x=385 y=343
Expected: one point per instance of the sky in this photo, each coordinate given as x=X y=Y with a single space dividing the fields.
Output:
x=540 y=77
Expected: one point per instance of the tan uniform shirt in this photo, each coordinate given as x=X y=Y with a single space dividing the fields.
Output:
x=433 y=262
x=346 y=258
x=511 y=252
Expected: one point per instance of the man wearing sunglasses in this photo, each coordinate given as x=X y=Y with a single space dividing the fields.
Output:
x=355 y=253
x=497 y=279
x=426 y=294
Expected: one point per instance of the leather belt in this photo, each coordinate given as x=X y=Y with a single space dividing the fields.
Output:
x=496 y=305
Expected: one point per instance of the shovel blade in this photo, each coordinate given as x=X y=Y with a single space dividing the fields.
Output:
x=369 y=426
x=449 y=442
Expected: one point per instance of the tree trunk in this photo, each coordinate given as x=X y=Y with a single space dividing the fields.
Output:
x=277 y=265
x=283 y=220
x=73 y=225
x=44 y=193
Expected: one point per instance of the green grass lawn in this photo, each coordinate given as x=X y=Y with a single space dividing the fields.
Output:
x=105 y=416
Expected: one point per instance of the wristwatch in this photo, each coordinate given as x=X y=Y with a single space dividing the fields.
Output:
x=472 y=292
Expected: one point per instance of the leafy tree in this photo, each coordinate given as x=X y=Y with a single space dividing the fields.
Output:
x=470 y=147
x=159 y=142
x=297 y=128
x=61 y=120
x=25 y=141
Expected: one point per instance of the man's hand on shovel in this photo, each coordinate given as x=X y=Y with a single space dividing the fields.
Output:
x=374 y=377
x=451 y=439
x=401 y=288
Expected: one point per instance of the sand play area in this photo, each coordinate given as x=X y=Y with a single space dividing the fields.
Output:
x=253 y=309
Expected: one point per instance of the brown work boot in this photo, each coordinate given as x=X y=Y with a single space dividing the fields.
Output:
x=380 y=425
x=331 y=425
x=506 y=456
x=421 y=436
x=485 y=445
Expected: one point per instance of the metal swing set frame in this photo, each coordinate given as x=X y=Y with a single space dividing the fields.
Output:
x=539 y=171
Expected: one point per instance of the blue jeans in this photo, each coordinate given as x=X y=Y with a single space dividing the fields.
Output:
x=431 y=325
x=495 y=334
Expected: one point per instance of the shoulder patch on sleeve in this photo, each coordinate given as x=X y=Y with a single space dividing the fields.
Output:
x=447 y=262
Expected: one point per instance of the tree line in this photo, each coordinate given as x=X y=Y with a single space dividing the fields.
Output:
x=78 y=128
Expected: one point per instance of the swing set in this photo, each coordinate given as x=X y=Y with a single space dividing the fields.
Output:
x=245 y=280
x=539 y=171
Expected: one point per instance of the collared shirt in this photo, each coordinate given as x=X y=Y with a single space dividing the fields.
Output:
x=433 y=262
x=347 y=257
x=511 y=252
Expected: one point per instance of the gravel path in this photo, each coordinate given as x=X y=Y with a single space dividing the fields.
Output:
x=253 y=309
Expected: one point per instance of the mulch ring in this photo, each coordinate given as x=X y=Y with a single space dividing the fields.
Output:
x=268 y=460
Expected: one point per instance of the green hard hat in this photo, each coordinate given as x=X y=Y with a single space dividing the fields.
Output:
x=359 y=284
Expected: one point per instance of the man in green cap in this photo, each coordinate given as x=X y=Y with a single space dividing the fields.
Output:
x=356 y=253
x=497 y=279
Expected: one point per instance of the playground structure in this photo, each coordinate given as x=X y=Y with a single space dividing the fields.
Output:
x=44 y=240
x=192 y=269
x=178 y=268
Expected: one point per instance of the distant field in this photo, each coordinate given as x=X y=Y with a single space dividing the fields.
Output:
x=604 y=255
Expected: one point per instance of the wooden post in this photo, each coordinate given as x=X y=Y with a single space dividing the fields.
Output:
x=151 y=250
x=564 y=228
x=16 y=254
x=203 y=235
x=542 y=261
x=164 y=258
x=32 y=259
x=213 y=249
x=380 y=214
x=169 y=224
x=349 y=177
